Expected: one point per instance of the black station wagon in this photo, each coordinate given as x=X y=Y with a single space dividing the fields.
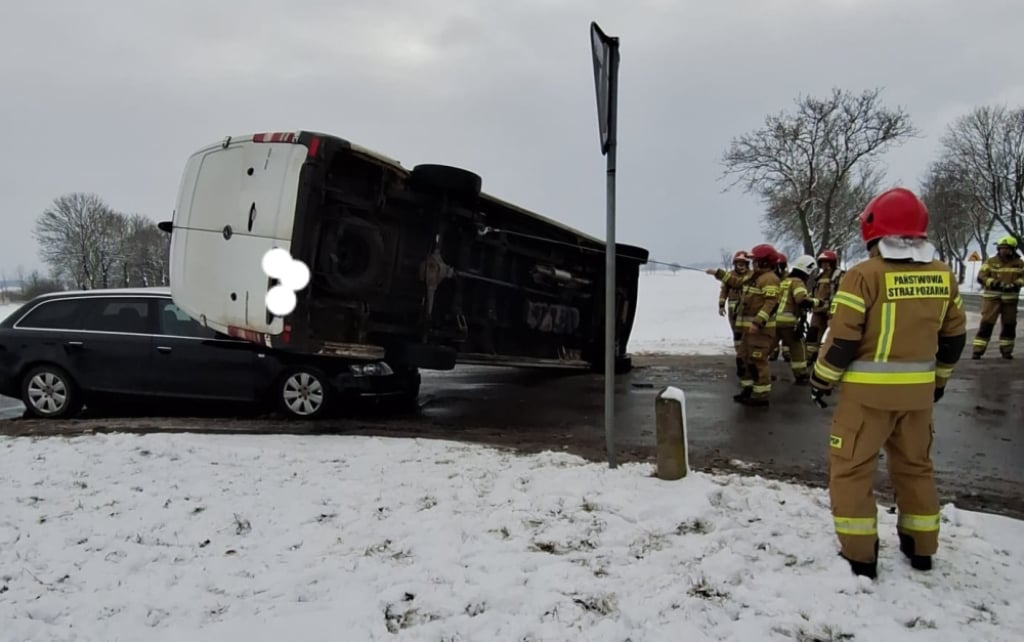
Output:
x=65 y=350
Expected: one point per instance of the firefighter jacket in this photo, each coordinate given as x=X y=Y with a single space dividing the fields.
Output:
x=730 y=295
x=792 y=296
x=897 y=330
x=1002 y=278
x=824 y=290
x=759 y=298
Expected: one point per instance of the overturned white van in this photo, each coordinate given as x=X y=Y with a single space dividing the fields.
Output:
x=419 y=267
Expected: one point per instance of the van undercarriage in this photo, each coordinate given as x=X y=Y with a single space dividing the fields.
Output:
x=423 y=269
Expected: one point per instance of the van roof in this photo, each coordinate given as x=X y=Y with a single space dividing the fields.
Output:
x=293 y=136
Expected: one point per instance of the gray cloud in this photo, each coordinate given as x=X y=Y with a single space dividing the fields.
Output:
x=112 y=97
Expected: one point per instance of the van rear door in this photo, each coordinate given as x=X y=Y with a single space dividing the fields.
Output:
x=237 y=201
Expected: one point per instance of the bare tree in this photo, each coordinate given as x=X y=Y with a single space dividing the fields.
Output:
x=984 y=149
x=802 y=164
x=727 y=255
x=148 y=254
x=36 y=284
x=951 y=222
x=91 y=245
x=70 y=236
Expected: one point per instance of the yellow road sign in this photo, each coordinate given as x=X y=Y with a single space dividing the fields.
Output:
x=974 y=257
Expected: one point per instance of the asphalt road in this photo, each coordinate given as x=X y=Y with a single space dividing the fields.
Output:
x=978 y=453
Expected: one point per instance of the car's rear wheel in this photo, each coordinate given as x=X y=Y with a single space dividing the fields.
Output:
x=304 y=393
x=49 y=392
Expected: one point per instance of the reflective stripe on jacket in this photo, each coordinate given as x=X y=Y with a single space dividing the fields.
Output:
x=999 y=270
x=896 y=332
x=759 y=298
x=792 y=293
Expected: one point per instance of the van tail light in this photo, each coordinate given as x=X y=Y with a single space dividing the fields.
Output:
x=286 y=335
x=288 y=137
x=275 y=137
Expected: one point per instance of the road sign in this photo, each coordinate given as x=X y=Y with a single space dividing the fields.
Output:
x=605 y=50
x=974 y=257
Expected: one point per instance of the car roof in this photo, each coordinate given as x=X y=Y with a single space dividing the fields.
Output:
x=148 y=291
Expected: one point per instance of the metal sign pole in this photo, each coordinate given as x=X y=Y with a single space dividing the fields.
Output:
x=606 y=69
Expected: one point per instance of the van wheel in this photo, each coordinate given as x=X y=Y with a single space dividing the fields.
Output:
x=48 y=392
x=456 y=182
x=352 y=257
x=304 y=393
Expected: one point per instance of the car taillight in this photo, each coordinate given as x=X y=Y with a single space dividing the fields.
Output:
x=314 y=147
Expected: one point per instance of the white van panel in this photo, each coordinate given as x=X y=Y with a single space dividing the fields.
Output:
x=253 y=188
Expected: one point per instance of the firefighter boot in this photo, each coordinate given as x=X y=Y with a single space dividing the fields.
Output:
x=981 y=339
x=762 y=384
x=919 y=562
x=744 y=394
x=865 y=569
x=1007 y=339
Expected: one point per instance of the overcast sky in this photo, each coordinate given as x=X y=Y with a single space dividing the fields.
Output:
x=112 y=97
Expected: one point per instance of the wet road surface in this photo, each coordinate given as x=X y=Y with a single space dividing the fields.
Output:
x=978 y=452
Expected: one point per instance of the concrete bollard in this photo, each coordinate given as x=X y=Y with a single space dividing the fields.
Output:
x=670 y=419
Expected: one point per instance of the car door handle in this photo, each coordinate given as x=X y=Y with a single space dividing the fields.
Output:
x=164 y=349
x=73 y=344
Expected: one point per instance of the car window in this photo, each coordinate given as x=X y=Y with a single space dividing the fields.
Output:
x=175 y=322
x=52 y=315
x=116 y=315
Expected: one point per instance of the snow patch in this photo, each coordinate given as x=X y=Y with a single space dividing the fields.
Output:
x=678 y=314
x=265 y=538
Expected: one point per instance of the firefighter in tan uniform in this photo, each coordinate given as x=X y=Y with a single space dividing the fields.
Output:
x=729 y=297
x=756 y=318
x=780 y=348
x=825 y=285
x=898 y=328
x=1002 y=276
x=793 y=301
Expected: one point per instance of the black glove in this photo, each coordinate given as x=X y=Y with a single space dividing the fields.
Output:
x=939 y=392
x=819 y=390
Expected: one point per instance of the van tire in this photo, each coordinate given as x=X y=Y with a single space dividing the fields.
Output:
x=455 y=182
x=364 y=241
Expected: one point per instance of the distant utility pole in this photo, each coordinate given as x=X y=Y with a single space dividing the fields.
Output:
x=606 y=82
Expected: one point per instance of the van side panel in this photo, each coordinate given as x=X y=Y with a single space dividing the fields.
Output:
x=240 y=205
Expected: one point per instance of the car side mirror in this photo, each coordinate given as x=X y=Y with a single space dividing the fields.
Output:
x=165 y=226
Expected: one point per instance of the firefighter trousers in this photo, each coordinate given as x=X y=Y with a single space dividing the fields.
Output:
x=737 y=342
x=756 y=375
x=815 y=331
x=792 y=342
x=856 y=436
x=991 y=310
x=779 y=349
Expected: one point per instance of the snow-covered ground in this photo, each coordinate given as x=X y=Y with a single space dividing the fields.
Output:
x=267 y=538
x=678 y=314
x=270 y=538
